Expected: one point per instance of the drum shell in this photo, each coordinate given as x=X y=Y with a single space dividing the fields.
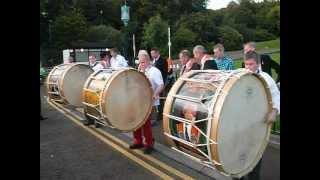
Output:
x=114 y=95
x=67 y=80
x=214 y=122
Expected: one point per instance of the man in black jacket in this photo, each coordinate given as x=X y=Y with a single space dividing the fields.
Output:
x=205 y=60
x=267 y=63
x=159 y=63
x=162 y=65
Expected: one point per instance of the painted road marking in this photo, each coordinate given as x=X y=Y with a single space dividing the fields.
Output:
x=115 y=146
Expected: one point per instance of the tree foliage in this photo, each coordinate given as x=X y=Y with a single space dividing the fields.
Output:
x=231 y=37
x=69 y=28
x=103 y=33
x=155 y=34
x=191 y=23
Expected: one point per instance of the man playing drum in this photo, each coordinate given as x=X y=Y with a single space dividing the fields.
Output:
x=252 y=62
x=266 y=62
x=155 y=78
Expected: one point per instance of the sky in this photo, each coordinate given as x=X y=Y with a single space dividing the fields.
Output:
x=218 y=4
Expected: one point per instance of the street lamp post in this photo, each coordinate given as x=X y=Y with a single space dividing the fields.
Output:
x=49 y=26
x=45 y=15
x=125 y=13
x=125 y=17
x=101 y=17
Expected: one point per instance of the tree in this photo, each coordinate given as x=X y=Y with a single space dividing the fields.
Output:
x=274 y=18
x=102 y=33
x=247 y=33
x=65 y=30
x=155 y=34
x=263 y=35
x=233 y=40
x=202 y=24
x=183 y=38
x=232 y=4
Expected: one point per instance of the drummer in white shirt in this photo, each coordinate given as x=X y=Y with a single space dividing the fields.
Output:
x=117 y=61
x=154 y=76
x=252 y=62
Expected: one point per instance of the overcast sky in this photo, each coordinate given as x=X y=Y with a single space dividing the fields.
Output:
x=218 y=4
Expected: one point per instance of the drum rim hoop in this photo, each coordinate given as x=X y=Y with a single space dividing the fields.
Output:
x=61 y=83
x=86 y=85
x=214 y=156
x=105 y=90
x=168 y=105
x=214 y=132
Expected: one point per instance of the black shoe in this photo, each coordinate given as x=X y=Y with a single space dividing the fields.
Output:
x=97 y=125
x=148 y=150
x=88 y=122
x=136 y=146
x=153 y=123
x=43 y=118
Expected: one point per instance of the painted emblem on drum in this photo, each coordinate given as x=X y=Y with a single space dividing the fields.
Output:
x=249 y=91
x=189 y=132
x=243 y=158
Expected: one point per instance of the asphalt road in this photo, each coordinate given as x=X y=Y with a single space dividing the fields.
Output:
x=69 y=152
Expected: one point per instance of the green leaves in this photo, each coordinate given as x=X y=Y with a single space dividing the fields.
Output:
x=232 y=38
x=69 y=28
x=155 y=34
x=191 y=23
x=102 y=33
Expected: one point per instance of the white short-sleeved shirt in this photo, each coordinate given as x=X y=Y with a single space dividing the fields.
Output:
x=97 y=67
x=275 y=93
x=118 y=62
x=155 y=78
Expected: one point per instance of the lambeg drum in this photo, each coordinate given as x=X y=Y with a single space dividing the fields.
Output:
x=218 y=118
x=65 y=83
x=121 y=98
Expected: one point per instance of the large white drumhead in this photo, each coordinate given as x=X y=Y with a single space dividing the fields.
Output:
x=127 y=100
x=73 y=82
x=242 y=133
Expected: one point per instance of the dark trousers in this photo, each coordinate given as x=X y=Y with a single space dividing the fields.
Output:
x=254 y=174
x=160 y=107
x=40 y=108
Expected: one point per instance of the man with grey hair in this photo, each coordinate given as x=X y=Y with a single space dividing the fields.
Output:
x=205 y=60
x=267 y=63
x=154 y=76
